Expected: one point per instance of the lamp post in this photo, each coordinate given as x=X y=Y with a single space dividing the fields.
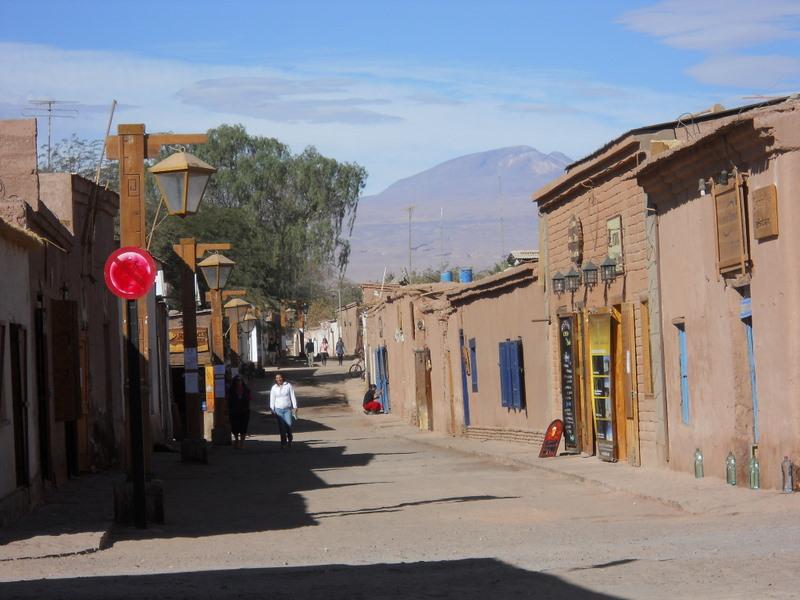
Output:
x=131 y=146
x=193 y=447
x=236 y=310
x=216 y=270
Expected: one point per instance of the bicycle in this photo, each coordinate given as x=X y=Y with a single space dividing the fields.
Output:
x=357 y=368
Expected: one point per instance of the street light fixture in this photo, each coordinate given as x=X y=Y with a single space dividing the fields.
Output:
x=558 y=283
x=590 y=272
x=572 y=280
x=242 y=307
x=216 y=269
x=608 y=270
x=182 y=179
x=248 y=323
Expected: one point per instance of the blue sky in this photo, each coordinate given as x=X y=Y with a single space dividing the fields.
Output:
x=398 y=86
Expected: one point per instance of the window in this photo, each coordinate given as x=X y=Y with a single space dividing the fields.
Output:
x=683 y=372
x=648 y=365
x=473 y=364
x=512 y=380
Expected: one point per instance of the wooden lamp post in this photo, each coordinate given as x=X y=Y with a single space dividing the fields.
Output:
x=216 y=270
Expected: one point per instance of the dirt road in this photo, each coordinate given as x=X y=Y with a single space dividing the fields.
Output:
x=356 y=510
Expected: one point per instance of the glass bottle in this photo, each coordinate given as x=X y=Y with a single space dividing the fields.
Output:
x=755 y=470
x=730 y=468
x=698 y=464
x=787 y=469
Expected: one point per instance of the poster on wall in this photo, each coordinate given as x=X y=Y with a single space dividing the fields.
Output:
x=614 y=235
x=567 y=357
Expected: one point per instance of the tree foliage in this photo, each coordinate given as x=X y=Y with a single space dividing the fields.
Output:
x=288 y=216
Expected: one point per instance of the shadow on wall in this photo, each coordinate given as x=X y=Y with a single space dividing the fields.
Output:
x=471 y=579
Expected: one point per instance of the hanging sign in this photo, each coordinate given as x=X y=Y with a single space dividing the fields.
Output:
x=765 y=212
x=568 y=383
x=575 y=240
x=552 y=439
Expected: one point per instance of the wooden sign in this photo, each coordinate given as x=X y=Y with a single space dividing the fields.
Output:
x=176 y=340
x=568 y=383
x=731 y=248
x=614 y=239
x=765 y=212
x=552 y=439
x=575 y=240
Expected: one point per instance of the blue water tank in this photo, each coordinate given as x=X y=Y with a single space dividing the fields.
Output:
x=465 y=275
x=446 y=276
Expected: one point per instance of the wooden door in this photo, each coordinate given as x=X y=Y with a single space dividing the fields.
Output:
x=618 y=387
x=83 y=424
x=420 y=389
x=18 y=344
x=630 y=384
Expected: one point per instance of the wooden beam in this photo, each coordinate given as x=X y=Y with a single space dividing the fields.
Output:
x=156 y=140
x=233 y=293
x=203 y=248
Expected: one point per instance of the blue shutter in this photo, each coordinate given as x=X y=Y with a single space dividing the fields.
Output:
x=516 y=375
x=684 y=374
x=505 y=383
x=473 y=364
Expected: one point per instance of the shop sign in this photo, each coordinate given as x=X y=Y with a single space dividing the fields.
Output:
x=731 y=248
x=176 y=340
x=765 y=212
x=568 y=383
x=575 y=240
x=614 y=238
x=552 y=439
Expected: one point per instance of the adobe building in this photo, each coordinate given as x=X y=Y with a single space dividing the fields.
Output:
x=725 y=209
x=74 y=320
x=600 y=272
x=463 y=359
x=20 y=462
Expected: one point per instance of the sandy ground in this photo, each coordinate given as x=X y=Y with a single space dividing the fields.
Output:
x=357 y=510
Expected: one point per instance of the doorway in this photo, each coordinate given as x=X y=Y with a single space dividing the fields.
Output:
x=18 y=344
x=422 y=388
x=464 y=385
x=382 y=377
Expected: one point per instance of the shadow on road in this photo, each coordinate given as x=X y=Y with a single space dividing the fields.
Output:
x=471 y=579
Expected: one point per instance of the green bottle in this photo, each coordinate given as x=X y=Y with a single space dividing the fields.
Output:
x=755 y=470
x=698 y=464
x=730 y=468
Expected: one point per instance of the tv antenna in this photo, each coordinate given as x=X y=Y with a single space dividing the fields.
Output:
x=502 y=220
x=410 y=210
x=51 y=110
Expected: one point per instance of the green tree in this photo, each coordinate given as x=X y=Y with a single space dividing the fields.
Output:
x=288 y=216
x=76 y=155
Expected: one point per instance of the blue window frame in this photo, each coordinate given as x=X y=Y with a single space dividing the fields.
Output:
x=473 y=364
x=512 y=379
x=683 y=362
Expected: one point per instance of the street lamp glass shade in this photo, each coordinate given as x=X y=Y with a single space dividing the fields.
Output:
x=572 y=280
x=248 y=323
x=558 y=283
x=589 y=273
x=182 y=179
x=608 y=270
x=216 y=269
x=241 y=307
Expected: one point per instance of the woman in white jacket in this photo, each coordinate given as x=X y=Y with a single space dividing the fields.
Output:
x=283 y=404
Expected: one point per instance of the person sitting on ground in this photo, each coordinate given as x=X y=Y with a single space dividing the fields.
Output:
x=370 y=404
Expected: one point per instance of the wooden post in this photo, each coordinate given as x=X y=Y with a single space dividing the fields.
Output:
x=221 y=434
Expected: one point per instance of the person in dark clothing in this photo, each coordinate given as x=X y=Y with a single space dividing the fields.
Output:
x=239 y=410
x=370 y=403
x=340 y=350
x=310 y=352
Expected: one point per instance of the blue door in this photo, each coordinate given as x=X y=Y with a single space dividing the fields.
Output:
x=746 y=314
x=464 y=387
x=684 y=374
x=382 y=377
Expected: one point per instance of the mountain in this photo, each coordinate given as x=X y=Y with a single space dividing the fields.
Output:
x=469 y=209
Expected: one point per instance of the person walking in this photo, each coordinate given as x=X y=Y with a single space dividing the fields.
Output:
x=283 y=404
x=323 y=350
x=310 y=352
x=239 y=410
x=340 y=350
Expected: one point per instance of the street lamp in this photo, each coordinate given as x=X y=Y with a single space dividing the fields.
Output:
x=558 y=283
x=608 y=270
x=242 y=307
x=248 y=323
x=572 y=280
x=589 y=274
x=216 y=269
x=182 y=179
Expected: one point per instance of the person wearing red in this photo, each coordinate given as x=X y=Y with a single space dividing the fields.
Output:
x=370 y=404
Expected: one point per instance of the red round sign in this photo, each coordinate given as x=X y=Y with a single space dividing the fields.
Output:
x=130 y=272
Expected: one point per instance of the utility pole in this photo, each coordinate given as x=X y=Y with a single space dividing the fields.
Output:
x=410 y=210
x=502 y=222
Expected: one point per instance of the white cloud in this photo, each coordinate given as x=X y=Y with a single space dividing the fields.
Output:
x=754 y=72
x=717 y=25
x=395 y=119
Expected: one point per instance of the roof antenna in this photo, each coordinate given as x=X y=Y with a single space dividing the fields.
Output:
x=49 y=109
